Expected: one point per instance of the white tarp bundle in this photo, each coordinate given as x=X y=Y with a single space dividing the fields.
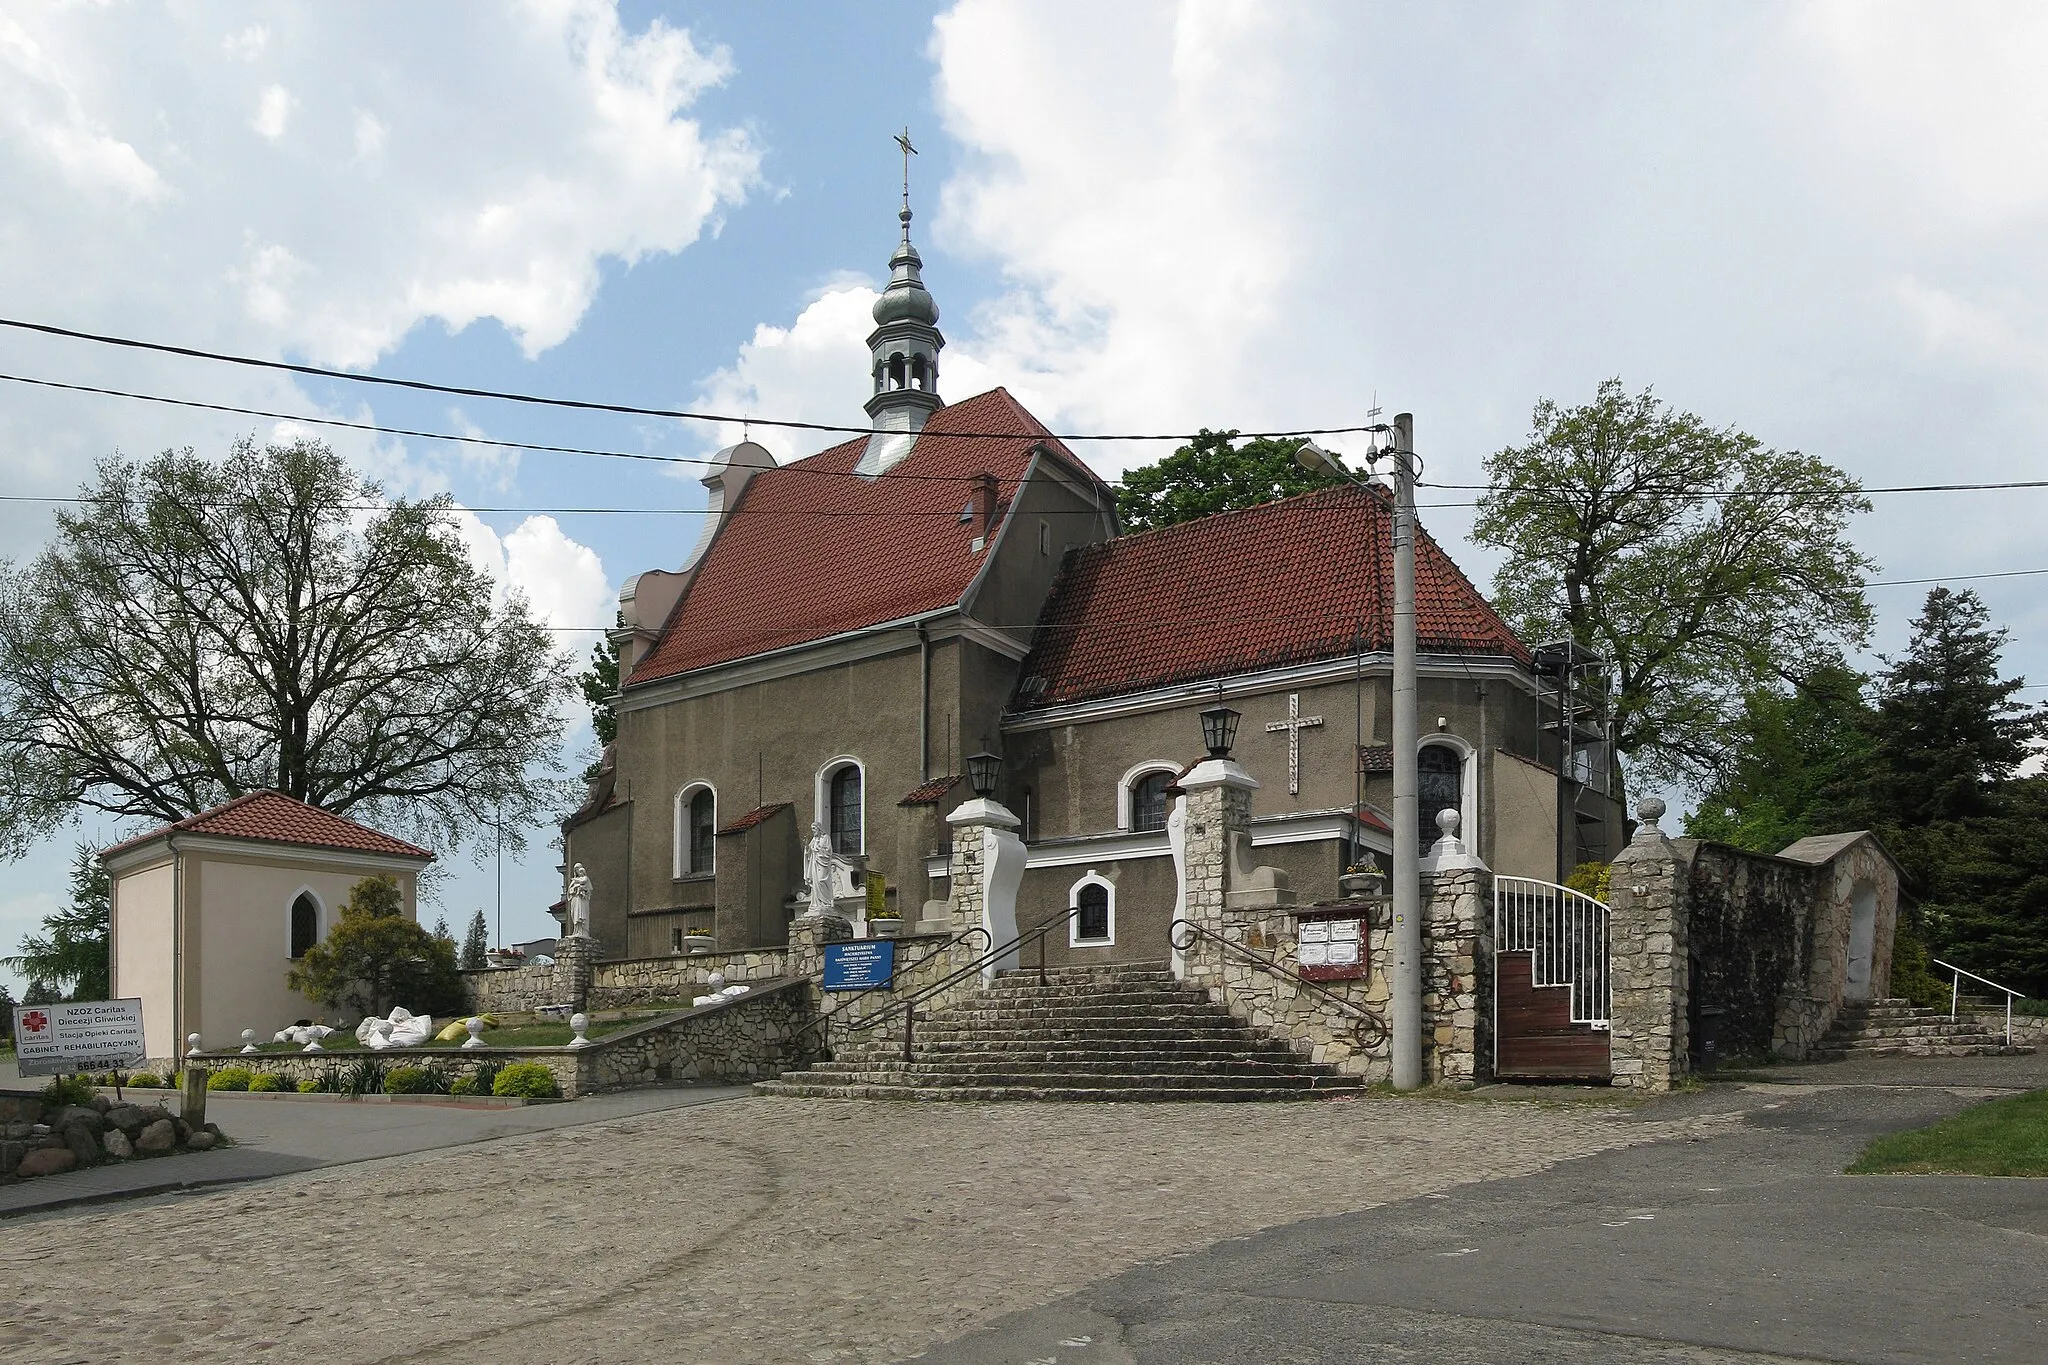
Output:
x=302 y=1035
x=402 y=1029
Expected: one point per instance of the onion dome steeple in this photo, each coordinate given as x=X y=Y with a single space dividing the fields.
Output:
x=904 y=347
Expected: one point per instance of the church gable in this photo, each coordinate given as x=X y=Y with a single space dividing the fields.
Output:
x=1289 y=582
x=816 y=549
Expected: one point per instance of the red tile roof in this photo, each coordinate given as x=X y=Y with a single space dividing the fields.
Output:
x=1289 y=582
x=274 y=818
x=894 y=546
x=932 y=792
x=754 y=817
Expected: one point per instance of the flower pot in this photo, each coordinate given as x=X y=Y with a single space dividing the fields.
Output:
x=700 y=943
x=885 y=927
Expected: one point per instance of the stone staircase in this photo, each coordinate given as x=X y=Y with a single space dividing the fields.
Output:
x=1128 y=1032
x=1899 y=1028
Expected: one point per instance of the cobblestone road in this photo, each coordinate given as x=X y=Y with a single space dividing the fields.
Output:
x=763 y=1230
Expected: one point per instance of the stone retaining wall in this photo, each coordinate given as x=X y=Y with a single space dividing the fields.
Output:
x=515 y=990
x=637 y=980
x=742 y=1038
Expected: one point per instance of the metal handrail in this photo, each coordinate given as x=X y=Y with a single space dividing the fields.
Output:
x=1371 y=1028
x=1955 y=994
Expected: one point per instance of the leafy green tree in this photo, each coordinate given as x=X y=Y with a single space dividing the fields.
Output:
x=7 y=1004
x=600 y=684
x=1702 y=565
x=197 y=630
x=1948 y=729
x=1212 y=474
x=41 y=993
x=1798 y=765
x=476 y=943
x=376 y=957
x=72 y=951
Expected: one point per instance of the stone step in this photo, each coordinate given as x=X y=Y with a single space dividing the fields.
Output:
x=1859 y=1051
x=1107 y=995
x=1132 y=1036
x=1100 y=1080
x=989 y=1049
x=1240 y=1064
x=1153 y=1095
x=1090 y=1016
x=1922 y=1028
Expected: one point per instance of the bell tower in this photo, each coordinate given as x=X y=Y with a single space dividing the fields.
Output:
x=904 y=348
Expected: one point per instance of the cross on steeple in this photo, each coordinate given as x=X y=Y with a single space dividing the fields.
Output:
x=1293 y=725
x=903 y=141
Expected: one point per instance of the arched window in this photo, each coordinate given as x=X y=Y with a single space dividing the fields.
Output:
x=917 y=375
x=1149 y=801
x=895 y=371
x=305 y=924
x=1441 y=773
x=696 y=831
x=1095 y=926
x=849 y=835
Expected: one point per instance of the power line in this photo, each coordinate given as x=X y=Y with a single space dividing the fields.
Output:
x=588 y=405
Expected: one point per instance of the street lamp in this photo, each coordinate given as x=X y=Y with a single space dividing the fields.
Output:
x=1407 y=937
x=1219 y=730
x=982 y=771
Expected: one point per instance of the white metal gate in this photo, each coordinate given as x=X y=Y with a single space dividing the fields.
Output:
x=1565 y=934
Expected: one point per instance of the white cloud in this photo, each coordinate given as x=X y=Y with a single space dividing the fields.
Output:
x=563 y=581
x=273 y=111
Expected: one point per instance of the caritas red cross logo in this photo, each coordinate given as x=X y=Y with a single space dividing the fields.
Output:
x=35 y=1021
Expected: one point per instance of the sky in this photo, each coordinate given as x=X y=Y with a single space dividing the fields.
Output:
x=1818 y=222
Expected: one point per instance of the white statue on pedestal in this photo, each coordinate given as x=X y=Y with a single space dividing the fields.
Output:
x=577 y=907
x=821 y=863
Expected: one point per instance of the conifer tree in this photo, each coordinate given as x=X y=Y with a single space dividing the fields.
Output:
x=475 y=943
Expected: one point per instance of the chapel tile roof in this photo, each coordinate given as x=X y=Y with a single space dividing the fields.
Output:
x=1375 y=758
x=272 y=817
x=1287 y=582
x=778 y=574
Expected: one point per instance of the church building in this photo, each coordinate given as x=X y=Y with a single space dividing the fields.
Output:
x=851 y=627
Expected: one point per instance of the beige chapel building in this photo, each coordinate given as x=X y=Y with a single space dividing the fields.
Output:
x=209 y=913
x=850 y=627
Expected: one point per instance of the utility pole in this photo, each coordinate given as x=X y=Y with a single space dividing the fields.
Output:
x=1407 y=973
x=1407 y=983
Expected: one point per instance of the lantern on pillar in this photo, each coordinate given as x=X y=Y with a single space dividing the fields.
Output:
x=1219 y=730
x=982 y=771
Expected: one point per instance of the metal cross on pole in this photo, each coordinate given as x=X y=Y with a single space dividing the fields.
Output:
x=903 y=141
x=1293 y=725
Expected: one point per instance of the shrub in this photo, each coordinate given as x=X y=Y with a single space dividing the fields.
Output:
x=230 y=1078
x=309 y=1087
x=145 y=1080
x=465 y=1085
x=363 y=1076
x=527 y=1080
x=416 y=1080
x=486 y=1076
x=64 y=1090
x=265 y=1081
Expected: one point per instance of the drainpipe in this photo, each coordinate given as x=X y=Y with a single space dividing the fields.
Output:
x=177 y=949
x=924 y=703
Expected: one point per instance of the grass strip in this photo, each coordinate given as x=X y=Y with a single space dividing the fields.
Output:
x=1999 y=1137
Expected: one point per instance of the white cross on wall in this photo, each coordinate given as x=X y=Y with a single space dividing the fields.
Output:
x=1293 y=725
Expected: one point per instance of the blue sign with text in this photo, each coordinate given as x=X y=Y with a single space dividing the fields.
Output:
x=858 y=965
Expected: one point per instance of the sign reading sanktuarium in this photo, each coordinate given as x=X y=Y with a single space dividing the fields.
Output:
x=78 y=1035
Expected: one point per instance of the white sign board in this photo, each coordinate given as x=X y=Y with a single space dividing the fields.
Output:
x=1328 y=943
x=78 y=1035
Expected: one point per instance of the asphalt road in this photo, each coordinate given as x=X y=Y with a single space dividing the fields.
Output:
x=1750 y=1247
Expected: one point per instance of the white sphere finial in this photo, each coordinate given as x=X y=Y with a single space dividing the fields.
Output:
x=248 y=1040
x=1447 y=821
x=475 y=1025
x=579 y=1024
x=191 y=1045
x=1650 y=810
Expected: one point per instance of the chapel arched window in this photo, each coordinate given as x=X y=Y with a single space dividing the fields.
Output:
x=846 y=811
x=305 y=924
x=703 y=831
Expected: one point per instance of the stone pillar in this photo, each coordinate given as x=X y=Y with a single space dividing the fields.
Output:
x=808 y=935
x=1457 y=960
x=1647 y=958
x=986 y=870
x=575 y=961
x=1215 y=812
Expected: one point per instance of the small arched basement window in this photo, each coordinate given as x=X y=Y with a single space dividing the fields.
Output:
x=305 y=924
x=1095 y=924
x=1440 y=770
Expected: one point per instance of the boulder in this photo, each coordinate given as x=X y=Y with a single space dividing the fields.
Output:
x=126 y=1117
x=83 y=1143
x=152 y=1112
x=15 y=1132
x=46 y=1161
x=159 y=1136
x=200 y=1141
x=102 y=1103
x=11 y=1154
x=93 y=1119
x=119 y=1148
x=182 y=1128
x=20 y=1108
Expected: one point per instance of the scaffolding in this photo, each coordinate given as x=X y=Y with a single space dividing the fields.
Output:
x=1573 y=690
